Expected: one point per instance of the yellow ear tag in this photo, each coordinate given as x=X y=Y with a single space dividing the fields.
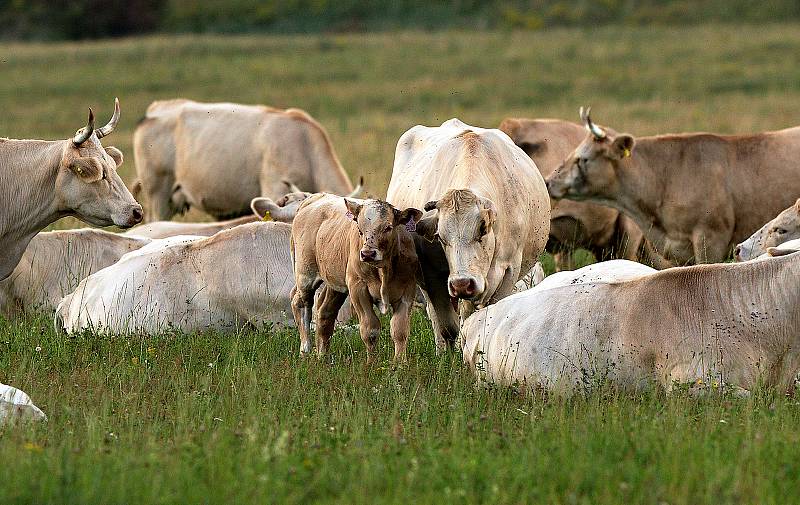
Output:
x=626 y=152
x=267 y=216
x=79 y=170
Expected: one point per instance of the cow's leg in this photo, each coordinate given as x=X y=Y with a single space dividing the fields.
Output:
x=302 y=308
x=157 y=189
x=443 y=316
x=709 y=247
x=368 y=322
x=330 y=303
x=400 y=327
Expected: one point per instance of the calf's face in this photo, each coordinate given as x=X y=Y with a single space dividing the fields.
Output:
x=463 y=224
x=377 y=222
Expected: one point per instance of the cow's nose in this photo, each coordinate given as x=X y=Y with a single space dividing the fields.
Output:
x=368 y=254
x=463 y=287
x=136 y=214
x=737 y=252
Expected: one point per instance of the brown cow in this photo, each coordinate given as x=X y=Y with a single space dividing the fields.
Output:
x=694 y=195
x=363 y=247
x=42 y=181
x=603 y=231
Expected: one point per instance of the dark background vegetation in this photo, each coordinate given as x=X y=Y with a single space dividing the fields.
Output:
x=83 y=19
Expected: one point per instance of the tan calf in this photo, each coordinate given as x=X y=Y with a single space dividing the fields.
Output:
x=363 y=247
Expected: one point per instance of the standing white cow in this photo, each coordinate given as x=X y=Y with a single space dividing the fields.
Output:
x=55 y=262
x=42 y=181
x=729 y=325
x=217 y=157
x=488 y=207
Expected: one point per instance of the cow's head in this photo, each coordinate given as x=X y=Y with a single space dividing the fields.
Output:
x=378 y=224
x=463 y=223
x=88 y=184
x=284 y=209
x=785 y=227
x=591 y=170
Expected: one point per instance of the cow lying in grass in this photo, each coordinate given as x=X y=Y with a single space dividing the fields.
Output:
x=783 y=228
x=363 y=247
x=17 y=406
x=729 y=325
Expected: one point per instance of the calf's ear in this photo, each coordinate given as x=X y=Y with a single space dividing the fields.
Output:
x=428 y=227
x=353 y=207
x=407 y=216
x=622 y=146
x=115 y=154
x=87 y=169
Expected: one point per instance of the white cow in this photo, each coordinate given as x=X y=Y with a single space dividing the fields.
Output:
x=42 y=181
x=487 y=206
x=725 y=325
x=238 y=276
x=15 y=406
x=55 y=262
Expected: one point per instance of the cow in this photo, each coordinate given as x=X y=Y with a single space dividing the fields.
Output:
x=361 y=247
x=731 y=325
x=694 y=195
x=601 y=230
x=217 y=157
x=236 y=277
x=55 y=262
x=783 y=228
x=487 y=216
x=42 y=181
x=16 y=406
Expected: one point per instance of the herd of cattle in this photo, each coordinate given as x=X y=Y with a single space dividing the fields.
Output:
x=465 y=218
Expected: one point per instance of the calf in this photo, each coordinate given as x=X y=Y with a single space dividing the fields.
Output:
x=363 y=247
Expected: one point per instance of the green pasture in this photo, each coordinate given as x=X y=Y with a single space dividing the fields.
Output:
x=211 y=418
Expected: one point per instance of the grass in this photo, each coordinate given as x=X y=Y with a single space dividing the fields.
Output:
x=240 y=418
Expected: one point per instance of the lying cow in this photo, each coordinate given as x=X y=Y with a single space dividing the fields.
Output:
x=360 y=247
x=783 y=228
x=42 y=181
x=487 y=221
x=238 y=276
x=17 y=406
x=603 y=231
x=55 y=262
x=694 y=195
x=217 y=157
x=731 y=325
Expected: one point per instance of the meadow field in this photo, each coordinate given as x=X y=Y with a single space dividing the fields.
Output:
x=210 y=418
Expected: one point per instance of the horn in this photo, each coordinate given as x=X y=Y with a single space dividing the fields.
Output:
x=109 y=128
x=84 y=133
x=593 y=128
x=292 y=187
x=358 y=189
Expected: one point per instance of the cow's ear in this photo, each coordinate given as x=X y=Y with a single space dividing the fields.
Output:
x=115 y=154
x=797 y=204
x=353 y=207
x=262 y=207
x=622 y=146
x=87 y=169
x=407 y=216
x=428 y=227
x=430 y=205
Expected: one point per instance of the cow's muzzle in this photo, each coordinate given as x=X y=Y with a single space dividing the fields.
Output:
x=132 y=216
x=370 y=255
x=464 y=287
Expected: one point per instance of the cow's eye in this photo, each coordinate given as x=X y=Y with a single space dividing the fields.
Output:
x=780 y=231
x=105 y=175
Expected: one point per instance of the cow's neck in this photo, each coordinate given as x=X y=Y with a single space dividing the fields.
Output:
x=642 y=184
x=28 y=172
